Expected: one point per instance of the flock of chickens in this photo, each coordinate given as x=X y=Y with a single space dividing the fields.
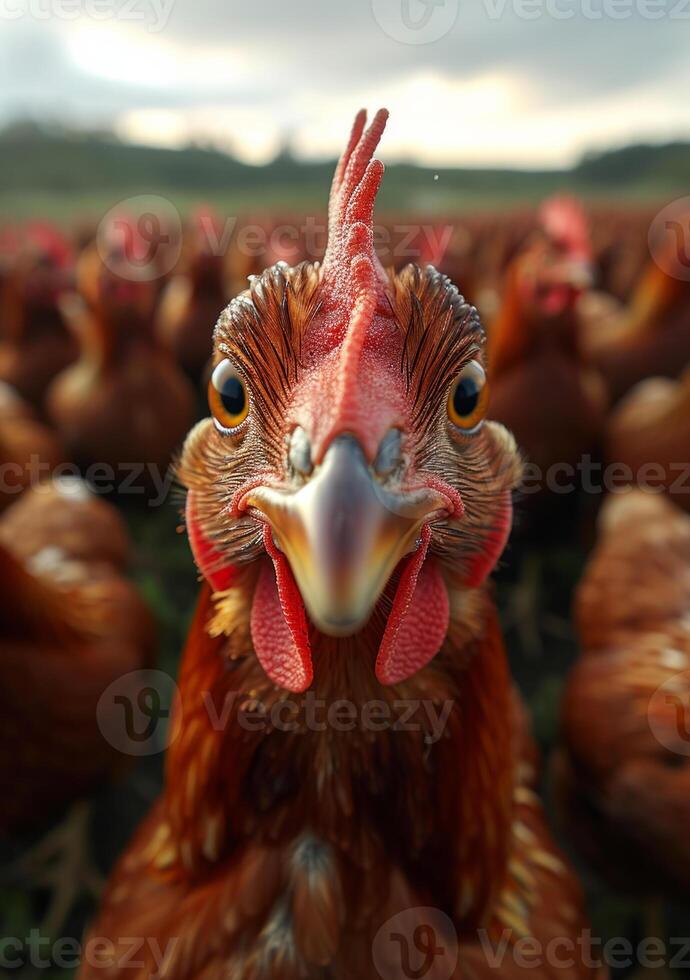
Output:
x=588 y=358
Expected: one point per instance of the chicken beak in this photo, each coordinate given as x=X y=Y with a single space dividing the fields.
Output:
x=343 y=533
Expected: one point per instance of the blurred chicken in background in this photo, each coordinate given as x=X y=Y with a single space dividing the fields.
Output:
x=194 y=297
x=29 y=450
x=623 y=773
x=647 y=335
x=70 y=625
x=125 y=403
x=35 y=342
x=542 y=387
x=649 y=432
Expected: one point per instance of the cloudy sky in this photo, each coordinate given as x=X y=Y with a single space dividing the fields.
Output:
x=527 y=82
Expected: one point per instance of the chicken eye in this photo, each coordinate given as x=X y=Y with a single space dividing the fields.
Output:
x=468 y=396
x=227 y=396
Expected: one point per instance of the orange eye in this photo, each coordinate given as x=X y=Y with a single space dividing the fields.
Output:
x=227 y=396
x=468 y=397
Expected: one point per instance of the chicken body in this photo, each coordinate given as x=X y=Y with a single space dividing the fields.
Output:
x=35 y=342
x=542 y=387
x=192 y=298
x=649 y=432
x=28 y=448
x=347 y=746
x=286 y=851
x=624 y=777
x=107 y=406
x=71 y=624
x=646 y=337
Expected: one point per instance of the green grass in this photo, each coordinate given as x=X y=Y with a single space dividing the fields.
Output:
x=69 y=208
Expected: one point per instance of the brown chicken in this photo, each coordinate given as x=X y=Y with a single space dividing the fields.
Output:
x=649 y=432
x=29 y=451
x=624 y=770
x=192 y=298
x=35 y=341
x=64 y=516
x=346 y=503
x=648 y=336
x=621 y=251
x=71 y=624
x=108 y=406
x=542 y=388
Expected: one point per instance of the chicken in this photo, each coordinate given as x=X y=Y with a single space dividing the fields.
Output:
x=191 y=299
x=35 y=342
x=346 y=503
x=621 y=251
x=648 y=336
x=65 y=516
x=29 y=451
x=649 y=432
x=542 y=389
x=71 y=624
x=623 y=773
x=107 y=406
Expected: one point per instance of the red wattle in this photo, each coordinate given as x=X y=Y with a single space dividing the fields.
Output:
x=485 y=560
x=211 y=563
x=279 y=624
x=418 y=621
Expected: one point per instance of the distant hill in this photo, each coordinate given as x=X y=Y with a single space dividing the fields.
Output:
x=49 y=170
x=641 y=163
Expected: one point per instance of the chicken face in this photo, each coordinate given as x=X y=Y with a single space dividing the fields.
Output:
x=347 y=465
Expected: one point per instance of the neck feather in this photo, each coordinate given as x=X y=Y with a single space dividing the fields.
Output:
x=417 y=777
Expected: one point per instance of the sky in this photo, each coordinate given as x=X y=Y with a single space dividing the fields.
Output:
x=533 y=83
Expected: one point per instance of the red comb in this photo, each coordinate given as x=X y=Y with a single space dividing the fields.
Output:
x=46 y=239
x=354 y=274
x=352 y=336
x=564 y=221
x=353 y=193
